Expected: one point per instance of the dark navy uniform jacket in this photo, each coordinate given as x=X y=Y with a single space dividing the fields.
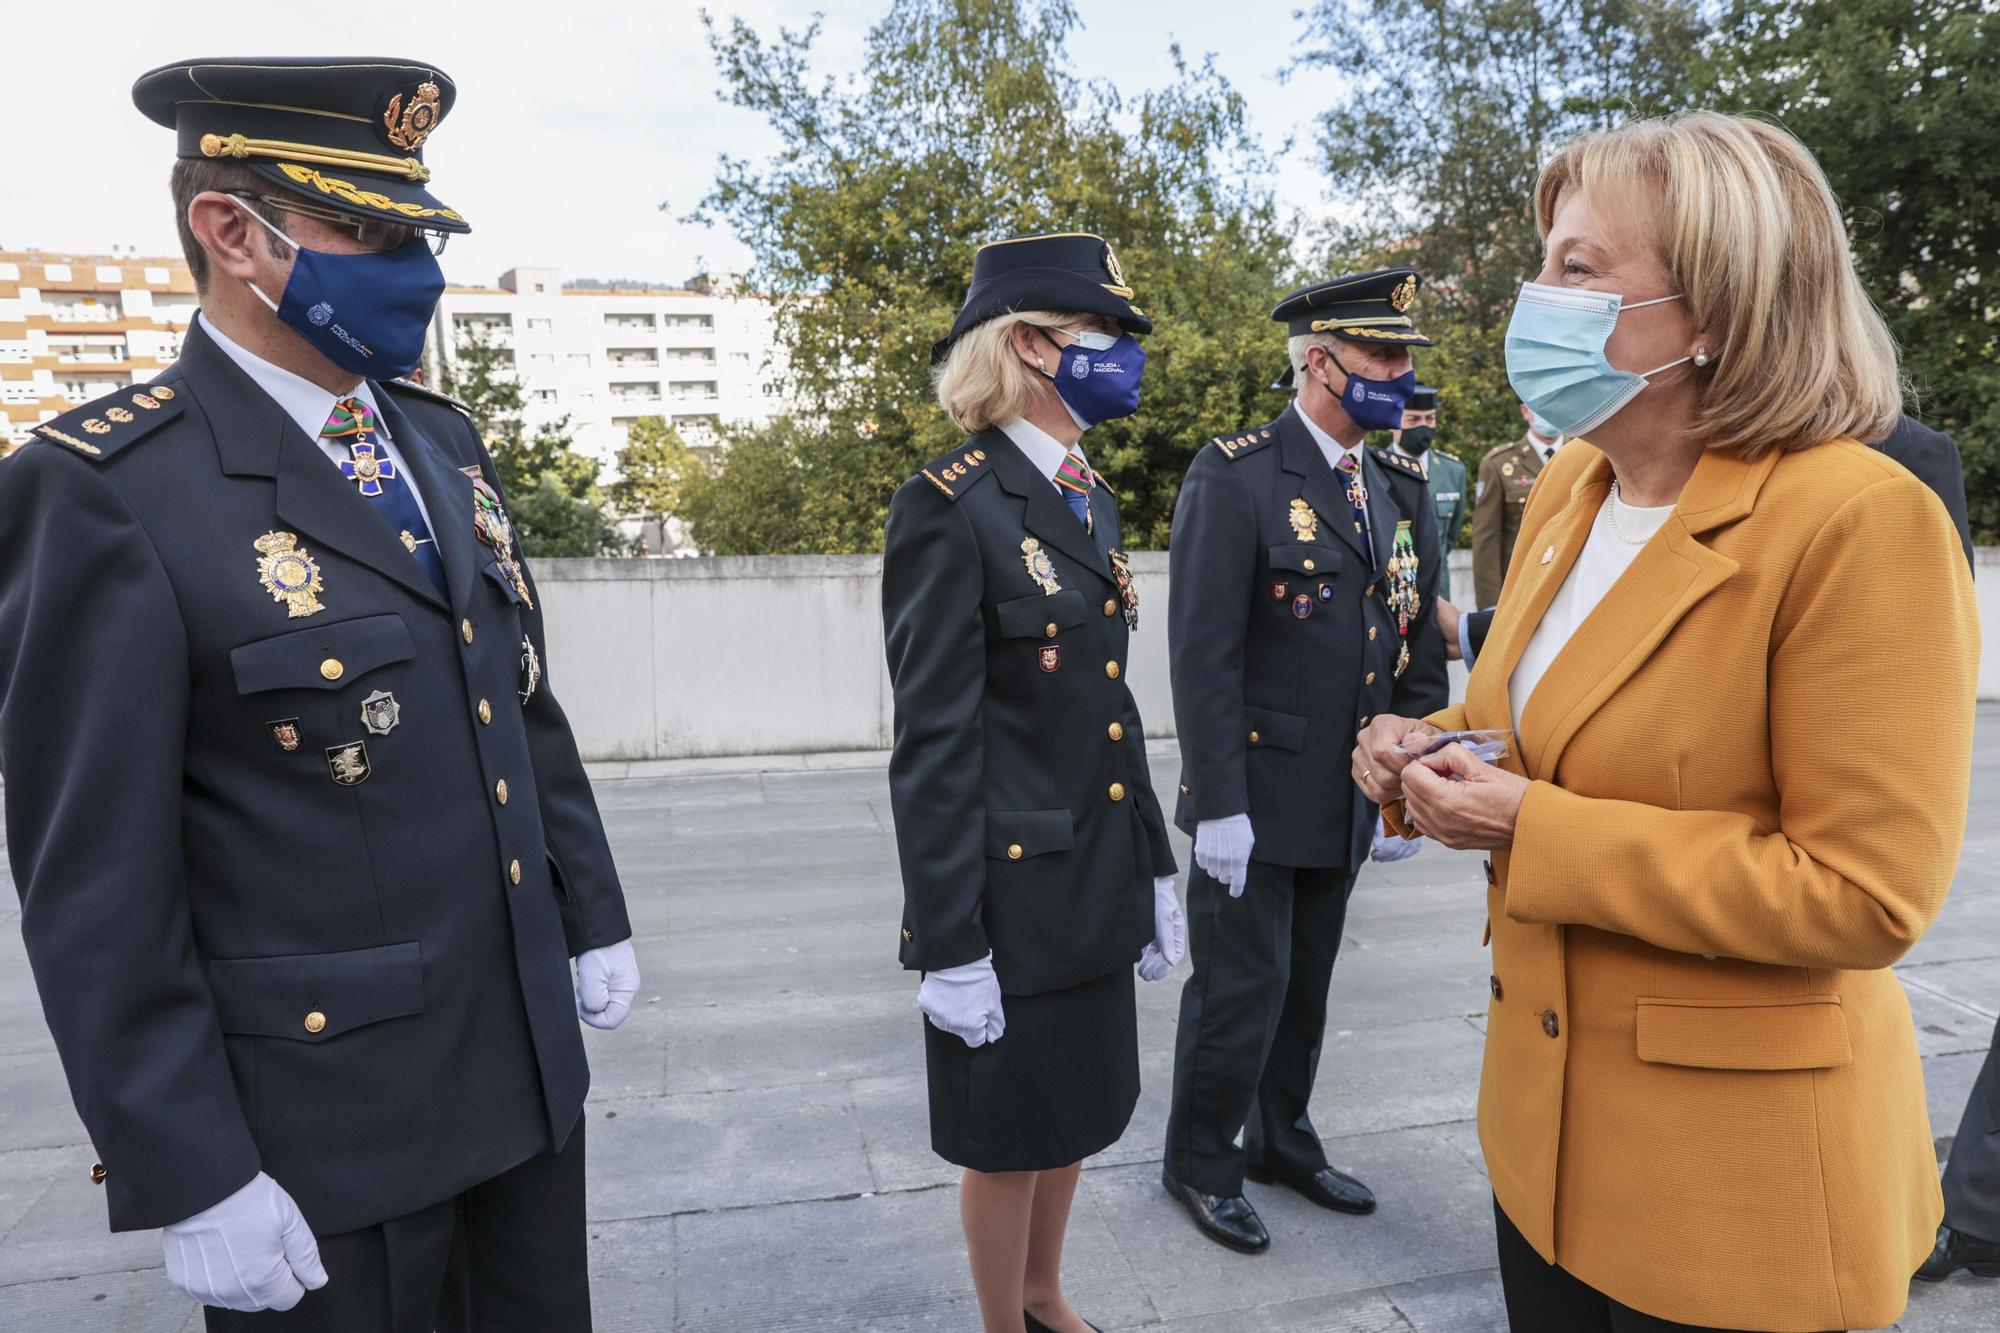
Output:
x=1284 y=646
x=363 y=990
x=1025 y=815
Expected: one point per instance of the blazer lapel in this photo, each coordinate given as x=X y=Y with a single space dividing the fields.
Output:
x=1048 y=516
x=1319 y=484
x=447 y=495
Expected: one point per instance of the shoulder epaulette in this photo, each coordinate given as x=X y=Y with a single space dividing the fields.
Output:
x=957 y=470
x=103 y=426
x=425 y=391
x=1394 y=461
x=1240 y=443
x=1446 y=453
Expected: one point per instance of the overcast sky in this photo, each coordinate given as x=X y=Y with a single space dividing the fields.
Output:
x=575 y=119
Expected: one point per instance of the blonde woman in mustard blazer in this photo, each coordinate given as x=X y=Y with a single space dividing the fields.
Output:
x=1738 y=648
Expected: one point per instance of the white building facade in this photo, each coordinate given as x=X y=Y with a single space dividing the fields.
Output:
x=701 y=356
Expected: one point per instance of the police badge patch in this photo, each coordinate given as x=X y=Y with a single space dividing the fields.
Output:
x=348 y=763
x=286 y=733
x=380 y=713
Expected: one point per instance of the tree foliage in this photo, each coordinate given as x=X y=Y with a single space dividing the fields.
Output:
x=551 y=487
x=970 y=126
x=1444 y=113
x=1899 y=100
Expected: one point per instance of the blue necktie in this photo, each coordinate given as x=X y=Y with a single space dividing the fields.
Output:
x=383 y=484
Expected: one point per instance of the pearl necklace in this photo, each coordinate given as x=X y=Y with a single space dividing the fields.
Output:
x=1611 y=513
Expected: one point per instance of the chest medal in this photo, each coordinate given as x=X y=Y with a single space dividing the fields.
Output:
x=1040 y=568
x=1403 y=597
x=289 y=574
x=1305 y=523
x=492 y=526
x=1128 y=591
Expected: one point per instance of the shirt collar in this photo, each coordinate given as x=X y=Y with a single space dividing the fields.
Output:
x=1332 y=448
x=1044 y=450
x=1544 y=451
x=303 y=401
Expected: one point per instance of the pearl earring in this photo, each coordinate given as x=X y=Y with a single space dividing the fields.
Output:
x=1041 y=365
x=1701 y=356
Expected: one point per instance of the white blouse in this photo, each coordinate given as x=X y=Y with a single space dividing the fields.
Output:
x=1616 y=538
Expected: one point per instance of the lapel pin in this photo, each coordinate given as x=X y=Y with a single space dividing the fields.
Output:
x=285 y=733
x=1549 y=556
x=380 y=713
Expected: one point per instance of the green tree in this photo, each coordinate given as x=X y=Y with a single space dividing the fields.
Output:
x=1446 y=110
x=551 y=487
x=655 y=467
x=970 y=126
x=1898 y=99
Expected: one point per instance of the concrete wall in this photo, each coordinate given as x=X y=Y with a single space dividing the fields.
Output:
x=674 y=659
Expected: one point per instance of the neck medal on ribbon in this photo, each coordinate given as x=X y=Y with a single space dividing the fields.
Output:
x=1128 y=591
x=493 y=527
x=288 y=573
x=1403 y=597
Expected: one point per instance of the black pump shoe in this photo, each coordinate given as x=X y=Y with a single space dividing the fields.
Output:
x=1228 y=1220
x=1037 y=1326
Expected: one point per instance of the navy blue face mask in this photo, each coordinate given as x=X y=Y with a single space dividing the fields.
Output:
x=1097 y=377
x=368 y=312
x=1375 y=404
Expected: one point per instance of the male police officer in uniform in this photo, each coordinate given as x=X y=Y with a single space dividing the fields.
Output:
x=303 y=841
x=1506 y=476
x=1415 y=441
x=1304 y=573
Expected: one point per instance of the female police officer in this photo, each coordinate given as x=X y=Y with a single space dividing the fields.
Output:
x=1035 y=860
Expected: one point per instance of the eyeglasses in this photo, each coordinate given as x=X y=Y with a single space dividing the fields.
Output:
x=374 y=233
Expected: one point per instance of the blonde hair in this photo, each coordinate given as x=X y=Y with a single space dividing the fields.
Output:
x=982 y=383
x=1749 y=229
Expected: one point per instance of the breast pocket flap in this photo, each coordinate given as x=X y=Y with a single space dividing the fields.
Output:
x=1030 y=617
x=1015 y=835
x=321 y=657
x=1275 y=730
x=1317 y=561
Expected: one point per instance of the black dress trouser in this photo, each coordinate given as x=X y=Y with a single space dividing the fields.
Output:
x=1543 y=1298
x=510 y=1255
x=1972 y=1175
x=1253 y=1017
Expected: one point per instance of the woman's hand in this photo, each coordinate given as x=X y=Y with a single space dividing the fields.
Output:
x=1378 y=764
x=1465 y=804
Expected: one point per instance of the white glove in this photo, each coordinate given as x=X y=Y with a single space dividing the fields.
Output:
x=1222 y=848
x=1389 y=848
x=606 y=981
x=1169 y=943
x=253 y=1251
x=964 y=1001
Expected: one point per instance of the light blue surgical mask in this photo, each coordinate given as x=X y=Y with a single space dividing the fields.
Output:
x=1556 y=361
x=1542 y=426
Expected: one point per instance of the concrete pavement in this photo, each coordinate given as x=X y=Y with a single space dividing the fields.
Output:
x=760 y=1156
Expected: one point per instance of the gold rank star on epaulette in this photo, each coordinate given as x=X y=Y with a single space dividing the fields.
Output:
x=103 y=426
x=1414 y=467
x=1244 y=442
x=949 y=473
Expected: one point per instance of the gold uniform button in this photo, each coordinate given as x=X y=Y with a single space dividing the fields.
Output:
x=332 y=668
x=1110 y=607
x=500 y=787
x=465 y=630
x=1013 y=851
x=1049 y=630
x=1117 y=791
x=1368 y=591
x=1116 y=731
x=1370 y=680
x=1254 y=738
x=98 y=1174
x=485 y=712
x=514 y=871
x=1371 y=634
x=1111 y=670
x=315 y=1022
x=1310 y=566
x=908 y=938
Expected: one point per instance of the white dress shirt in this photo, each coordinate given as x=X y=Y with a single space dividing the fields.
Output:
x=310 y=406
x=1332 y=448
x=1545 y=449
x=1044 y=450
x=1607 y=553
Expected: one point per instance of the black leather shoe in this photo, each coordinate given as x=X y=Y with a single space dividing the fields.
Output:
x=1956 y=1250
x=1326 y=1187
x=1230 y=1220
x=1037 y=1326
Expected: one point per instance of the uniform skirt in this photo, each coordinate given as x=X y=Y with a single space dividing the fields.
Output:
x=1059 y=1086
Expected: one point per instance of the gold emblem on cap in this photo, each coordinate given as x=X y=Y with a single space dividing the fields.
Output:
x=289 y=574
x=409 y=125
x=1118 y=286
x=1406 y=292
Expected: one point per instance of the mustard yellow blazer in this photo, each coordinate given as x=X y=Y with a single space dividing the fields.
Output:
x=1750 y=764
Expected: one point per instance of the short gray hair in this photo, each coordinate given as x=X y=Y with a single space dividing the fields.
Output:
x=1301 y=343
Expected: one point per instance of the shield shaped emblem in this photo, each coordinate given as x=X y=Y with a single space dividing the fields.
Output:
x=286 y=734
x=380 y=713
x=348 y=763
x=1051 y=657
